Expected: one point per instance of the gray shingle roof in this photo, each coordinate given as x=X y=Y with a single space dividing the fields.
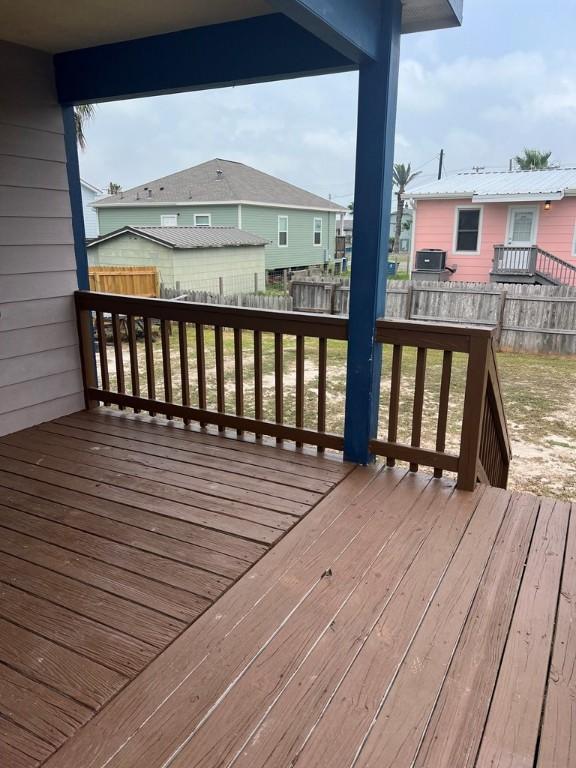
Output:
x=219 y=181
x=190 y=237
x=553 y=182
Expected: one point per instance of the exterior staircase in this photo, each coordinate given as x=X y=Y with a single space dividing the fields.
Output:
x=532 y=265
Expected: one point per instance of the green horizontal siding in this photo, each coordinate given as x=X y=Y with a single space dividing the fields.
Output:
x=260 y=220
x=301 y=251
x=111 y=219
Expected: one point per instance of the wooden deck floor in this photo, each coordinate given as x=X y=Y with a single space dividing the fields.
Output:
x=116 y=533
x=400 y=623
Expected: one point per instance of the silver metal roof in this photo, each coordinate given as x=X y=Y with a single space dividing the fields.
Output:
x=189 y=237
x=494 y=186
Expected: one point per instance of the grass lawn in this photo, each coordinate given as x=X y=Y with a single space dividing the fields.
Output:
x=539 y=394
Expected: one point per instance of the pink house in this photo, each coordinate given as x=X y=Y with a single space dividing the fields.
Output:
x=508 y=226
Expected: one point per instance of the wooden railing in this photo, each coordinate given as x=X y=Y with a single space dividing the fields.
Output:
x=484 y=449
x=532 y=261
x=168 y=341
x=152 y=355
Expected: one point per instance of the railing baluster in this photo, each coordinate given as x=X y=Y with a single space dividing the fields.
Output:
x=279 y=379
x=102 y=353
x=166 y=361
x=238 y=374
x=220 y=390
x=184 y=370
x=443 y=406
x=133 y=352
x=300 y=356
x=258 y=399
x=418 y=401
x=201 y=368
x=149 y=353
x=101 y=333
x=394 y=406
x=118 y=356
x=322 y=377
x=86 y=339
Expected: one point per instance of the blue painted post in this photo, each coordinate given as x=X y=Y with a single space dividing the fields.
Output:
x=75 y=191
x=377 y=96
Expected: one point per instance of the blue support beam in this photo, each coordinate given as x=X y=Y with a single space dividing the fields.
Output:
x=73 y=171
x=252 y=50
x=352 y=28
x=377 y=97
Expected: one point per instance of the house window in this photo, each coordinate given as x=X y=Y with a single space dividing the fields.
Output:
x=169 y=221
x=202 y=220
x=317 y=231
x=283 y=231
x=467 y=229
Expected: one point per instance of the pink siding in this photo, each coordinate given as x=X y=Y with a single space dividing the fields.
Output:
x=435 y=222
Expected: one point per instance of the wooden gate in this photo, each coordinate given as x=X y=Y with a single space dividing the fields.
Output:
x=130 y=281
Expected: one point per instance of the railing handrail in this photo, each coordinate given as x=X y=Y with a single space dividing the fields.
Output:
x=534 y=265
x=484 y=430
x=246 y=318
x=482 y=392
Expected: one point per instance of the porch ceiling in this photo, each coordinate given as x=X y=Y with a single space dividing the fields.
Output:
x=63 y=26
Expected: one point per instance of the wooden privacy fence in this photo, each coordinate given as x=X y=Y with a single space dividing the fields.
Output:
x=484 y=446
x=252 y=300
x=527 y=318
x=484 y=452
x=129 y=281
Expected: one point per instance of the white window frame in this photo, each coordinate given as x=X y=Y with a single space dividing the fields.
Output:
x=203 y=215
x=172 y=217
x=282 y=218
x=480 y=226
x=314 y=243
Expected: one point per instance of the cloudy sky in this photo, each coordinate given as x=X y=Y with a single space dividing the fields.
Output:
x=505 y=80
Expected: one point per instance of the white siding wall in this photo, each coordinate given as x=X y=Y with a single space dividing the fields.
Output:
x=90 y=213
x=39 y=363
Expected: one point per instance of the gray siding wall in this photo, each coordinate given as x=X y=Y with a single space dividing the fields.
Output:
x=39 y=363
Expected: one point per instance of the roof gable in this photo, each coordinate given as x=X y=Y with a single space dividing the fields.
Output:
x=219 y=181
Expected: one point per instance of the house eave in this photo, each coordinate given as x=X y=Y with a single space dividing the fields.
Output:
x=196 y=204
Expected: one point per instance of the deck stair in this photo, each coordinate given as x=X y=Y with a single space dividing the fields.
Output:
x=531 y=264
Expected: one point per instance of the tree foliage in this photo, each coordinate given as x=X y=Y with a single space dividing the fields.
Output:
x=82 y=113
x=402 y=176
x=533 y=159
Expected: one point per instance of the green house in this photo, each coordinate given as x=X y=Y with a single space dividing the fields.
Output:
x=299 y=227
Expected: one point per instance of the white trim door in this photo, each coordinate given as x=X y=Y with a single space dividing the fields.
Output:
x=522 y=223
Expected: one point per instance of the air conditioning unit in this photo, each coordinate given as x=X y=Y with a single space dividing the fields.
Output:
x=430 y=260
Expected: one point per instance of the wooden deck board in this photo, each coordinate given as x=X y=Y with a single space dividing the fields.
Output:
x=108 y=552
x=399 y=623
x=558 y=736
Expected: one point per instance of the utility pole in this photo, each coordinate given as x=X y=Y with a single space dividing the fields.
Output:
x=440 y=164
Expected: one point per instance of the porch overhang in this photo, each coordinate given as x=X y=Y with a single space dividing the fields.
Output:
x=537 y=197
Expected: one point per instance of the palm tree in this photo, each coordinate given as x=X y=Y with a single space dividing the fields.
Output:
x=533 y=159
x=82 y=113
x=402 y=176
